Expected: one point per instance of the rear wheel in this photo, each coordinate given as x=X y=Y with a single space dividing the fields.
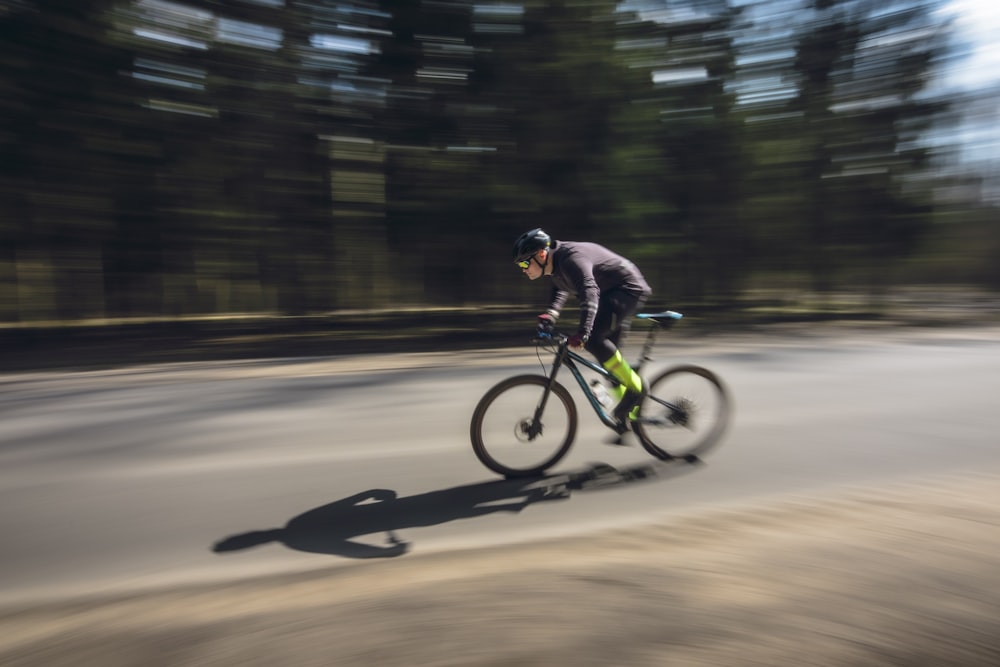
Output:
x=505 y=436
x=684 y=414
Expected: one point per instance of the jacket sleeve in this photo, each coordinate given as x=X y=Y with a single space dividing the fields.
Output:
x=590 y=296
x=557 y=301
x=581 y=275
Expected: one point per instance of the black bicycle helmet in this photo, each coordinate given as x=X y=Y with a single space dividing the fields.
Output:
x=529 y=243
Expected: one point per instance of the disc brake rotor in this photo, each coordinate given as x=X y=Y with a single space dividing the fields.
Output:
x=523 y=430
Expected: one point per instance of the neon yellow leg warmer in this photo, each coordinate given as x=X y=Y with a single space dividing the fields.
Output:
x=618 y=367
x=617 y=392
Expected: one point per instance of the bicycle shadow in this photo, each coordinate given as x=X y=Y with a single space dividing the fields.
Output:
x=334 y=528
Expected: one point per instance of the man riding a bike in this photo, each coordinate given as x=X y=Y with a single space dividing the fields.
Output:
x=610 y=290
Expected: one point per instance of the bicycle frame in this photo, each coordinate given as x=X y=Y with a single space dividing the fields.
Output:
x=564 y=356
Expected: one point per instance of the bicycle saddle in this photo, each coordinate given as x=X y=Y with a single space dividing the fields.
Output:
x=666 y=318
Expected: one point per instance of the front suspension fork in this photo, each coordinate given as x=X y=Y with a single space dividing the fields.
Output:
x=536 y=423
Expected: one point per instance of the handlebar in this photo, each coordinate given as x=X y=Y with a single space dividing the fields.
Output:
x=541 y=338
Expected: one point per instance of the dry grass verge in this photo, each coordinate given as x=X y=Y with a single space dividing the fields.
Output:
x=909 y=576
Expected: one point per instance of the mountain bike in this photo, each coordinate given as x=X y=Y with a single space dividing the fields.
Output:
x=526 y=424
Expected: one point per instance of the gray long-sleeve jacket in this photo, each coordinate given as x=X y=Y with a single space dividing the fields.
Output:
x=588 y=270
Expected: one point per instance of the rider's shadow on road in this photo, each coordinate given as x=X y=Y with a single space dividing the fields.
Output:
x=333 y=528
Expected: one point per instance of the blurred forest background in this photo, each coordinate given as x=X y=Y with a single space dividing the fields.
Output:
x=290 y=157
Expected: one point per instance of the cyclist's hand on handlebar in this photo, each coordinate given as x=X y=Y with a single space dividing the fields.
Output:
x=546 y=324
x=576 y=340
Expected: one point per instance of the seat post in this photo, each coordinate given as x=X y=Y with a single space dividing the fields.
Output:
x=666 y=319
x=647 y=348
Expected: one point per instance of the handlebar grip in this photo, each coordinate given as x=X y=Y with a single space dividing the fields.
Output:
x=541 y=337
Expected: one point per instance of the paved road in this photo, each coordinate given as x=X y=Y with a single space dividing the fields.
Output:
x=111 y=480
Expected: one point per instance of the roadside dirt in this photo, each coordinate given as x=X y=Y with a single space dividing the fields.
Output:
x=906 y=576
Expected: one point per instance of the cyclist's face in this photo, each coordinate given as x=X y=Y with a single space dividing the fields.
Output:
x=536 y=265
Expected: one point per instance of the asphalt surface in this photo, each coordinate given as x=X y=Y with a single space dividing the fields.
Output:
x=157 y=476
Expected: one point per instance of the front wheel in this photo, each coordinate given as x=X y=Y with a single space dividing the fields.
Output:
x=684 y=413
x=506 y=436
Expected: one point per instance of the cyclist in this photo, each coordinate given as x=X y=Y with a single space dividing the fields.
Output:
x=610 y=290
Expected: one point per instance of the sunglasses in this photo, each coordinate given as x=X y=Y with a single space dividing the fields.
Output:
x=525 y=263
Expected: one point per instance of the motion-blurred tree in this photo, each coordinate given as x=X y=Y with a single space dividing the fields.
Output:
x=699 y=230
x=63 y=150
x=861 y=67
